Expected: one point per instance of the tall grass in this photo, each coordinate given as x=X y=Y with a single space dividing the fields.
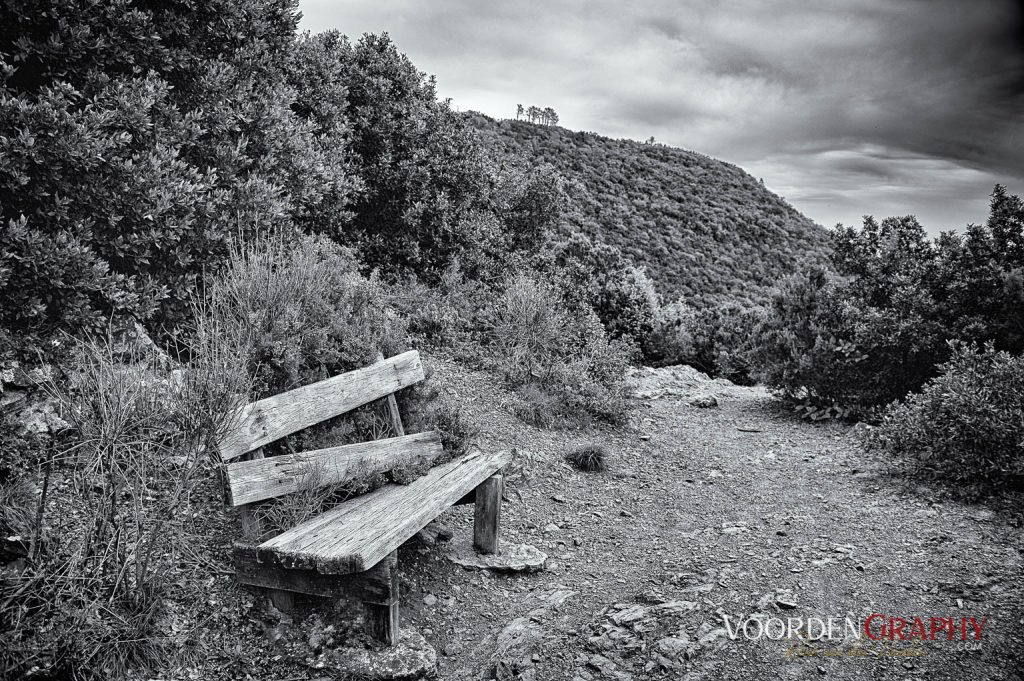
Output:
x=108 y=523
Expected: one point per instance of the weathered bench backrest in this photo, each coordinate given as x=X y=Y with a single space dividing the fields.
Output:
x=270 y=419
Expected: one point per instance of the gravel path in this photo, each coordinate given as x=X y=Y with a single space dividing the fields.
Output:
x=736 y=510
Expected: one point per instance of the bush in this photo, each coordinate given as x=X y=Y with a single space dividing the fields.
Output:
x=966 y=426
x=298 y=313
x=424 y=407
x=716 y=340
x=307 y=312
x=425 y=178
x=147 y=137
x=536 y=406
x=447 y=314
x=848 y=343
x=536 y=340
x=598 y=277
x=838 y=356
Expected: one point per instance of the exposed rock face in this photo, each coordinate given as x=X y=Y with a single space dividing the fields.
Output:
x=514 y=650
x=682 y=382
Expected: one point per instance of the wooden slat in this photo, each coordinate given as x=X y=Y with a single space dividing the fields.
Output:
x=260 y=423
x=357 y=534
x=250 y=481
x=377 y=585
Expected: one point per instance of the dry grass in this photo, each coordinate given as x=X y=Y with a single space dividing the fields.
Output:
x=592 y=458
x=90 y=603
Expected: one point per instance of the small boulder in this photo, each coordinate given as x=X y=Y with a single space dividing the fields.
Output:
x=672 y=646
x=411 y=658
x=704 y=401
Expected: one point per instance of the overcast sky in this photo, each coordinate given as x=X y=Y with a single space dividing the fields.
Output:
x=844 y=107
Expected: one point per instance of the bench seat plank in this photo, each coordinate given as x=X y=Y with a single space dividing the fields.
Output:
x=259 y=479
x=260 y=423
x=355 y=535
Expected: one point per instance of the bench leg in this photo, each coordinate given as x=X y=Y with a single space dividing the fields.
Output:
x=284 y=601
x=381 y=610
x=382 y=621
x=487 y=515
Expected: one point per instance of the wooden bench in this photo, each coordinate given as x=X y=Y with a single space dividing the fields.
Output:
x=351 y=549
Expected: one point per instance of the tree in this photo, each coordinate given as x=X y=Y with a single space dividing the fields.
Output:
x=881 y=327
x=423 y=174
x=144 y=138
x=519 y=111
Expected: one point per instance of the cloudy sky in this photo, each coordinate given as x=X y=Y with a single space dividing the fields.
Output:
x=844 y=107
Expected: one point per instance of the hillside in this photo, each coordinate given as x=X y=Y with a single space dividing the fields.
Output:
x=705 y=230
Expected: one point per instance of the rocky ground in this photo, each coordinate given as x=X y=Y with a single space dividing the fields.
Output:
x=733 y=507
x=736 y=509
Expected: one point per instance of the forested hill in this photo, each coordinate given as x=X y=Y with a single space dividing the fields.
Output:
x=705 y=230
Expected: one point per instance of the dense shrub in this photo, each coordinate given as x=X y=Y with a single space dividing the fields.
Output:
x=848 y=343
x=429 y=195
x=834 y=358
x=966 y=426
x=717 y=340
x=447 y=313
x=141 y=140
x=597 y=276
x=536 y=340
x=307 y=311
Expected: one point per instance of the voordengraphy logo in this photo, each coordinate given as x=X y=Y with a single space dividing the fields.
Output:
x=874 y=627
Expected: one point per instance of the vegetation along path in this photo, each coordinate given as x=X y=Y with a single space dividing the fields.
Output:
x=736 y=510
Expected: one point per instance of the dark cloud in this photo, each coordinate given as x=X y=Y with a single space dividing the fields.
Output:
x=845 y=107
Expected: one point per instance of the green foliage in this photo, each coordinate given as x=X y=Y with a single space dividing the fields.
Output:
x=599 y=277
x=848 y=344
x=536 y=340
x=307 y=312
x=703 y=230
x=966 y=426
x=717 y=340
x=143 y=138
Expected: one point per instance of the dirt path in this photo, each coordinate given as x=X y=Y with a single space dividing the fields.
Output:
x=737 y=509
